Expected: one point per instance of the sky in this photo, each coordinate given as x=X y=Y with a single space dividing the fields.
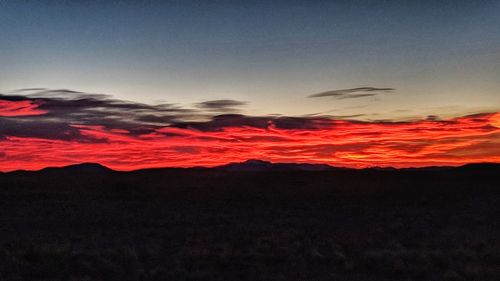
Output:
x=135 y=84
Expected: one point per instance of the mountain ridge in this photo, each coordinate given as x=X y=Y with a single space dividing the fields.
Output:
x=257 y=165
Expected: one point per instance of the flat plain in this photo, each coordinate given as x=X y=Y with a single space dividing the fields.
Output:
x=90 y=223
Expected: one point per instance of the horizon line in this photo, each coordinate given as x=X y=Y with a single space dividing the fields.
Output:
x=243 y=162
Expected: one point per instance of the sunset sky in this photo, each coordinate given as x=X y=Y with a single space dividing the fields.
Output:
x=185 y=83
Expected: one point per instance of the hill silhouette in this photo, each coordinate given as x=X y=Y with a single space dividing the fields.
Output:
x=260 y=165
x=79 y=168
x=269 y=180
x=264 y=166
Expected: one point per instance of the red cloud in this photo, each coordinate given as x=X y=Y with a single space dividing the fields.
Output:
x=19 y=108
x=339 y=143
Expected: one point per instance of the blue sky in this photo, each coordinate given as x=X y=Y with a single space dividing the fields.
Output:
x=441 y=57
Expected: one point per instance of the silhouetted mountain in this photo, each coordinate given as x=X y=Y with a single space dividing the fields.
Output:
x=266 y=166
x=479 y=167
x=260 y=165
x=255 y=180
x=79 y=168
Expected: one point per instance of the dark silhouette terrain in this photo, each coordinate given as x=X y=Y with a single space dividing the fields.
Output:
x=251 y=221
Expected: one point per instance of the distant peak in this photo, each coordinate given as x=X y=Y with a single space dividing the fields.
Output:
x=256 y=162
x=262 y=165
x=86 y=167
x=480 y=166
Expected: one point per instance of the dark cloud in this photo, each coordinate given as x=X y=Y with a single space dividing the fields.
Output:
x=336 y=117
x=220 y=105
x=60 y=92
x=238 y=120
x=13 y=97
x=352 y=93
x=38 y=129
x=68 y=102
x=432 y=117
x=355 y=96
x=29 y=90
x=226 y=120
x=301 y=122
x=67 y=110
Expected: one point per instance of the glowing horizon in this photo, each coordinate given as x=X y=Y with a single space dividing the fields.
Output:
x=41 y=132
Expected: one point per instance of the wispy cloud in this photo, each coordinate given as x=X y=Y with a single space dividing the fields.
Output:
x=221 y=105
x=52 y=113
x=352 y=93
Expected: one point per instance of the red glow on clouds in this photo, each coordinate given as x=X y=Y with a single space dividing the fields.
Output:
x=19 y=108
x=342 y=143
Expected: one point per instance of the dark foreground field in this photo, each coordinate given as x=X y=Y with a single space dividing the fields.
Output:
x=88 y=223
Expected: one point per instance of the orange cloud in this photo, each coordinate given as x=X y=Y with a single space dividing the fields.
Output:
x=337 y=142
x=19 y=108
